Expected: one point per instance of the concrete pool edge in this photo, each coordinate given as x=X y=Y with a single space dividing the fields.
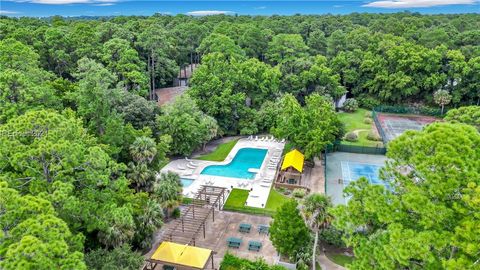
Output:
x=260 y=189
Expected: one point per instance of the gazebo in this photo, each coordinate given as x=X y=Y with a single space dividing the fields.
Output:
x=173 y=255
x=291 y=173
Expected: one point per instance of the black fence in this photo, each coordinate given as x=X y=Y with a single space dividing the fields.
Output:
x=428 y=111
x=379 y=127
x=358 y=149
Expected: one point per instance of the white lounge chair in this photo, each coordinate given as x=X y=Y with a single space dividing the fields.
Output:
x=191 y=161
x=180 y=167
x=191 y=166
x=282 y=141
x=256 y=138
x=250 y=137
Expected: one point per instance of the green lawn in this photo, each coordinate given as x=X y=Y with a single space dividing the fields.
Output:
x=220 y=153
x=340 y=259
x=354 y=121
x=237 y=198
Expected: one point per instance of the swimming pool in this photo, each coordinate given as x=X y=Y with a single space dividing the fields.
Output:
x=246 y=158
x=186 y=182
x=351 y=171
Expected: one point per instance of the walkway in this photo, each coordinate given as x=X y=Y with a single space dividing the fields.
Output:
x=317 y=177
x=326 y=264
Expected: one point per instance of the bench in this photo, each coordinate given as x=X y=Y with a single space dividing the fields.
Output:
x=234 y=242
x=254 y=246
x=263 y=229
x=244 y=228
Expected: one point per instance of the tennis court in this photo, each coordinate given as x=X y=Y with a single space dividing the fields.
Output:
x=343 y=168
x=394 y=125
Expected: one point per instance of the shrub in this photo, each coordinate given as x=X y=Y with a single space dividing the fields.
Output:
x=332 y=236
x=176 y=213
x=351 y=137
x=368 y=114
x=299 y=193
x=368 y=121
x=186 y=200
x=350 y=105
x=368 y=102
x=231 y=262
x=373 y=136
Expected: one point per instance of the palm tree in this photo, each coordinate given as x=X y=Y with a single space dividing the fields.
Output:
x=315 y=211
x=143 y=150
x=168 y=190
x=141 y=176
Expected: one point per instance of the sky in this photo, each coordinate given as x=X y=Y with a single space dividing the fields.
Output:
x=72 y=8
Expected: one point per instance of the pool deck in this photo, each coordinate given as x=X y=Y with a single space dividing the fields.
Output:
x=260 y=186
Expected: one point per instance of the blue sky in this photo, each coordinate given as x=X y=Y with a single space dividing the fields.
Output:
x=41 y=8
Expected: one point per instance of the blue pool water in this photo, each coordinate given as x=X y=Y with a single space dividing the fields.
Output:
x=246 y=158
x=186 y=182
x=351 y=171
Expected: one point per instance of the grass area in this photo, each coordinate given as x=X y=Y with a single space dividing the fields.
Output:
x=220 y=153
x=354 y=121
x=275 y=200
x=340 y=259
x=237 y=198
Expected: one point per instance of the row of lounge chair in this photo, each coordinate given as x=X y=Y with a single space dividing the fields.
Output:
x=273 y=162
x=190 y=165
x=264 y=139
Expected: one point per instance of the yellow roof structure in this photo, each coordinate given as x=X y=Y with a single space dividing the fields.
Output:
x=185 y=255
x=293 y=159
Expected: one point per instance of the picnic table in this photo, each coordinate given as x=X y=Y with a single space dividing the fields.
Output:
x=254 y=245
x=244 y=228
x=234 y=242
x=263 y=229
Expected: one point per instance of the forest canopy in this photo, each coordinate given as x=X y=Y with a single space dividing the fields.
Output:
x=82 y=137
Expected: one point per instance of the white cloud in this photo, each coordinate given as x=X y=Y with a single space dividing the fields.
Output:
x=8 y=12
x=208 y=12
x=66 y=2
x=104 y=4
x=262 y=7
x=416 y=3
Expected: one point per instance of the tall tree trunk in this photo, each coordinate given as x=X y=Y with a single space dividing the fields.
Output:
x=314 y=255
x=442 y=108
x=153 y=78
x=149 y=76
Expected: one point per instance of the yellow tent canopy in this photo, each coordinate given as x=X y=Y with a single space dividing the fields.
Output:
x=184 y=255
x=293 y=159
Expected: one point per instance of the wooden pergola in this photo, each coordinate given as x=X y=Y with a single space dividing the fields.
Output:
x=194 y=217
x=192 y=221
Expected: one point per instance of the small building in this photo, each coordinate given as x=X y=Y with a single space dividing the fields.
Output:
x=184 y=75
x=291 y=172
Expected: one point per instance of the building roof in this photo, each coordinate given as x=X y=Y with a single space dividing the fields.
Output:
x=184 y=255
x=293 y=159
x=168 y=94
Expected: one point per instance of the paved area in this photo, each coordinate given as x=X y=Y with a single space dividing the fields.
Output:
x=225 y=226
x=317 y=177
x=261 y=184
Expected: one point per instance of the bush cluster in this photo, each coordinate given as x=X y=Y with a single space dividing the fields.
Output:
x=350 y=105
x=351 y=137
x=299 y=193
x=373 y=136
x=231 y=262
